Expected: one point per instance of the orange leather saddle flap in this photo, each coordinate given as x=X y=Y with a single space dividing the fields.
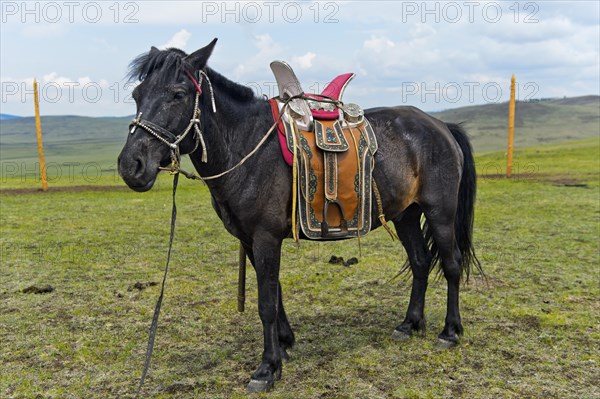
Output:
x=334 y=178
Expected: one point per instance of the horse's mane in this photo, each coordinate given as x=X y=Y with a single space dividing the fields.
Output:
x=235 y=90
x=170 y=63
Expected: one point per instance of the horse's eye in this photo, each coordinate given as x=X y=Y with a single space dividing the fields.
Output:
x=180 y=94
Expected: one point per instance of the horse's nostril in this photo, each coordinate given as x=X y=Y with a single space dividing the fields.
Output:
x=139 y=167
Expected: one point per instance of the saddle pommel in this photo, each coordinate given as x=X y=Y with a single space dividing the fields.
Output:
x=319 y=106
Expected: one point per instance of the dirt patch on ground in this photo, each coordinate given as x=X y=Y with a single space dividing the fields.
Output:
x=566 y=182
x=538 y=177
x=142 y=286
x=179 y=387
x=42 y=289
x=61 y=189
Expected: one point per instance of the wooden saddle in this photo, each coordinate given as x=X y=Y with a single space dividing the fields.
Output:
x=333 y=147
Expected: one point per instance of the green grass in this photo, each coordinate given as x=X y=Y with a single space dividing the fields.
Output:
x=531 y=331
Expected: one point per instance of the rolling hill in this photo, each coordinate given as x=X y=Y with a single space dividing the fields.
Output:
x=6 y=117
x=84 y=139
x=67 y=139
x=536 y=122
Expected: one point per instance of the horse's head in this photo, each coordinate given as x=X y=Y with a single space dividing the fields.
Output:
x=165 y=100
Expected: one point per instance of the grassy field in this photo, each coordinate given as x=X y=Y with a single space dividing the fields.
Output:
x=532 y=330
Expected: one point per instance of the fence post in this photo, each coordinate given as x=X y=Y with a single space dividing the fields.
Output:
x=38 y=130
x=511 y=127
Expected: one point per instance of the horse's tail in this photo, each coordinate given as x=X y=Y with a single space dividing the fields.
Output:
x=463 y=222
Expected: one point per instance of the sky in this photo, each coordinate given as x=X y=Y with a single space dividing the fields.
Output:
x=434 y=55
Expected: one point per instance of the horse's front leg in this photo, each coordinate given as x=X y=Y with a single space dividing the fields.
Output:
x=286 y=334
x=267 y=252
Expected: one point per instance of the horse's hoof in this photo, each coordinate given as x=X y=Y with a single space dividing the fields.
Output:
x=398 y=335
x=256 y=386
x=447 y=343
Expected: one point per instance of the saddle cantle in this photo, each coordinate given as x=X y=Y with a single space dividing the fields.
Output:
x=334 y=146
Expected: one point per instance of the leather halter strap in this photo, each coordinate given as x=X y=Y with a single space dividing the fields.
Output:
x=194 y=81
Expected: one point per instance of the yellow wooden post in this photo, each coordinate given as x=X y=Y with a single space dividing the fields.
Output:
x=38 y=129
x=511 y=127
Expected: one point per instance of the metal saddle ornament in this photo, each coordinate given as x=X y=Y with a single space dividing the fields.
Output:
x=331 y=147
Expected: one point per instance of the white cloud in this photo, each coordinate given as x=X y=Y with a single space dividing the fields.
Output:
x=304 y=61
x=179 y=40
x=268 y=50
x=378 y=44
x=507 y=30
x=383 y=56
x=54 y=78
x=421 y=31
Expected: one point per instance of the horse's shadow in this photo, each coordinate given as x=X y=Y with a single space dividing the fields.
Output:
x=321 y=336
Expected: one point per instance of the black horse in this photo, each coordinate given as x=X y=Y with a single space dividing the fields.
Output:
x=423 y=167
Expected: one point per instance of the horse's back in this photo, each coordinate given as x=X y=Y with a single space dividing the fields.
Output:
x=418 y=159
x=418 y=133
x=409 y=120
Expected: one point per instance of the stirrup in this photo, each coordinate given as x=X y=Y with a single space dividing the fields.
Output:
x=325 y=226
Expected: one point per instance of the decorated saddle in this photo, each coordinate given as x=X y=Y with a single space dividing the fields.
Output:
x=331 y=147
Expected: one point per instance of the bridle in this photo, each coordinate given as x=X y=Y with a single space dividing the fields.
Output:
x=172 y=140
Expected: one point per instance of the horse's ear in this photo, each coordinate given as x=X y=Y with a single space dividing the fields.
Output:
x=199 y=57
x=153 y=50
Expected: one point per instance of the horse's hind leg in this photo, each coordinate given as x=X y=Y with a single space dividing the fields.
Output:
x=441 y=223
x=419 y=257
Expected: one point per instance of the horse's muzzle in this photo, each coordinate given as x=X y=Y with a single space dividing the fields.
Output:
x=137 y=172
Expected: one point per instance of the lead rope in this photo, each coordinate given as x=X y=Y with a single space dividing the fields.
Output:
x=154 y=324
